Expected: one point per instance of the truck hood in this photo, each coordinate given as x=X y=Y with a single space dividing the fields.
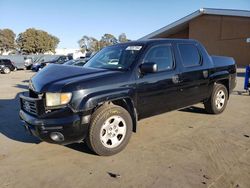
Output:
x=54 y=77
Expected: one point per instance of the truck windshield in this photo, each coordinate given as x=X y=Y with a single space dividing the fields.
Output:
x=118 y=57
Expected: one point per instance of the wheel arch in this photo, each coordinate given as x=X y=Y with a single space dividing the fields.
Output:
x=221 y=77
x=224 y=82
x=123 y=98
x=127 y=103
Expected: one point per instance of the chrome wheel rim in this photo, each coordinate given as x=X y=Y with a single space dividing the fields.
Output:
x=6 y=71
x=220 y=99
x=113 y=131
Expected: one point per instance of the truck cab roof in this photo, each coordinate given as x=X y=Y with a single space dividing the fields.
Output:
x=157 y=40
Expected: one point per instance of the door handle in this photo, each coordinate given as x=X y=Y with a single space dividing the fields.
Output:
x=205 y=73
x=176 y=79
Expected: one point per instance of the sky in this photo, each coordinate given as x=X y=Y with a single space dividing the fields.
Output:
x=69 y=20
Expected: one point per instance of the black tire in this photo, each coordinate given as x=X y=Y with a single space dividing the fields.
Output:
x=6 y=70
x=213 y=107
x=28 y=67
x=98 y=118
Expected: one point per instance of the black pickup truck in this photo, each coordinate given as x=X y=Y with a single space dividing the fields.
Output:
x=102 y=101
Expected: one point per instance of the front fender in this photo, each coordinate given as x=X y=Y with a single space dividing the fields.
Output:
x=89 y=101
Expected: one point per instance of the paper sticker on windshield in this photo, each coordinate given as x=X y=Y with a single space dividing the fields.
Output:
x=134 y=48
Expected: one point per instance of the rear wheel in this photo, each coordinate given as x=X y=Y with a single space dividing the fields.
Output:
x=110 y=130
x=6 y=70
x=218 y=100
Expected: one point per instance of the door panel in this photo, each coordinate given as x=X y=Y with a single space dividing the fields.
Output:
x=193 y=87
x=194 y=76
x=158 y=92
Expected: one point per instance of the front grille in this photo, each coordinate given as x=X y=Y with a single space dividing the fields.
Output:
x=34 y=106
x=29 y=106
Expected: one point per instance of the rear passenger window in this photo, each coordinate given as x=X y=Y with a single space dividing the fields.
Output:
x=5 y=62
x=190 y=55
x=161 y=55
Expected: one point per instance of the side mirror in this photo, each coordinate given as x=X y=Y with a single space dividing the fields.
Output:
x=148 y=68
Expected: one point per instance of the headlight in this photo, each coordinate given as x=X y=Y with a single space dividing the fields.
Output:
x=57 y=99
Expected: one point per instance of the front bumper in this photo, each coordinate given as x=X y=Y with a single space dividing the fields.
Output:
x=70 y=126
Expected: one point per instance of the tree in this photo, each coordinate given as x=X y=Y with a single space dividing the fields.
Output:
x=122 y=38
x=87 y=43
x=91 y=44
x=7 y=40
x=107 y=40
x=36 y=41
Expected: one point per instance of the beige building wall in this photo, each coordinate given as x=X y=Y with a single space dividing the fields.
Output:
x=223 y=35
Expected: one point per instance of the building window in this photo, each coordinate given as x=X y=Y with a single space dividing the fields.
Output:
x=190 y=55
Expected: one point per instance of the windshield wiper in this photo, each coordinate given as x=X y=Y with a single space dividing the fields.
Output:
x=114 y=69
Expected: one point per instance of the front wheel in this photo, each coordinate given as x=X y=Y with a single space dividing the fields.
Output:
x=6 y=70
x=110 y=130
x=217 y=102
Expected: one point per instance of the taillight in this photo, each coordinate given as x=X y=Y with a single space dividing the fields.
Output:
x=12 y=63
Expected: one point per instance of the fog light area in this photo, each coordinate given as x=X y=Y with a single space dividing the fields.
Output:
x=56 y=136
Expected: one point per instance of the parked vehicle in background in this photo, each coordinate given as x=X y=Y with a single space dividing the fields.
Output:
x=17 y=59
x=59 y=59
x=53 y=60
x=6 y=66
x=101 y=102
x=36 y=57
x=37 y=63
x=28 y=61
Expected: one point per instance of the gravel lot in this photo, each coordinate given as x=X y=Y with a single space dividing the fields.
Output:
x=184 y=148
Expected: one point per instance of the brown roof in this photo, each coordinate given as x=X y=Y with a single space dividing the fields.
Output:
x=183 y=22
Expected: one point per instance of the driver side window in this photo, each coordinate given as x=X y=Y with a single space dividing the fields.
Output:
x=161 y=55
